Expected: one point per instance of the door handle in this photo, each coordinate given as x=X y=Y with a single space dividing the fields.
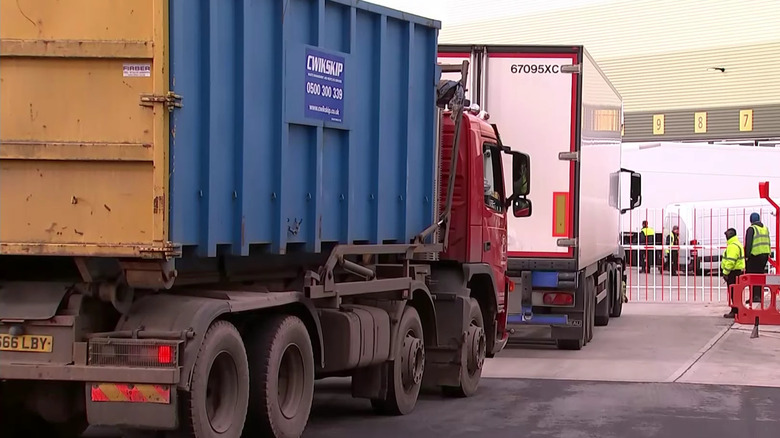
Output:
x=486 y=246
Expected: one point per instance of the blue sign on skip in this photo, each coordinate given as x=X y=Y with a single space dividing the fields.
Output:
x=324 y=86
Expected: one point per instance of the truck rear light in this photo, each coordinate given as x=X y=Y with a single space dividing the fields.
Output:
x=558 y=299
x=146 y=353
x=164 y=354
x=510 y=285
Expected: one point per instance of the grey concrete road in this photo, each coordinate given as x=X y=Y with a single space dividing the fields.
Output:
x=564 y=409
x=661 y=370
x=657 y=342
x=556 y=408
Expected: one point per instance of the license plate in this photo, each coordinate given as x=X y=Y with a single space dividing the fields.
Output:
x=30 y=343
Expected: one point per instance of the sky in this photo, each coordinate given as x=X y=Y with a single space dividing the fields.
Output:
x=462 y=11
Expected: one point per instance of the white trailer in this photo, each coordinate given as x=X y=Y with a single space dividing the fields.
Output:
x=554 y=103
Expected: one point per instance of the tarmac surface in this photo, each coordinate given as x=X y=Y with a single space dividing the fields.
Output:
x=661 y=370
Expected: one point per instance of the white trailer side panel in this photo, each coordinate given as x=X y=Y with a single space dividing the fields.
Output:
x=600 y=149
x=534 y=105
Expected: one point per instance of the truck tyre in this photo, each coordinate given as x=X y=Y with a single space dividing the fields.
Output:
x=405 y=371
x=281 y=378
x=590 y=303
x=473 y=355
x=602 y=309
x=216 y=405
x=617 y=292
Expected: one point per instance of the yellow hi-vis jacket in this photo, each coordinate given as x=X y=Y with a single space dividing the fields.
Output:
x=761 y=244
x=734 y=257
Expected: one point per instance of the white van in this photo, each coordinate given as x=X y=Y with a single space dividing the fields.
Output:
x=703 y=224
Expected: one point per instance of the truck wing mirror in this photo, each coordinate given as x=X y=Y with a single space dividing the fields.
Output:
x=522 y=207
x=521 y=174
x=635 y=189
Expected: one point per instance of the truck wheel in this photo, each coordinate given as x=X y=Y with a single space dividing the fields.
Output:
x=406 y=370
x=217 y=402
x=281 y=378
x=473 y=355
x=617 y=293
x=602 y=309
x=590 y=303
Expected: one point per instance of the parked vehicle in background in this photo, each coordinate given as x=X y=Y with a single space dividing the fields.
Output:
x=703 y=223
x=263 y=195
x=555 y=103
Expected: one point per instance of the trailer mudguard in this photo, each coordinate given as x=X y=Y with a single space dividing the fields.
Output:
x=179 y=312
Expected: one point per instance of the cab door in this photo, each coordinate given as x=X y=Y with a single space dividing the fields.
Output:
x=494 y=237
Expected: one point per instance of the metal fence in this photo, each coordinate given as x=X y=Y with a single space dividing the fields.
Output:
x=690 y=271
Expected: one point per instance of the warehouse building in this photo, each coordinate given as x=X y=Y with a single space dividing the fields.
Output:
x=688 y=70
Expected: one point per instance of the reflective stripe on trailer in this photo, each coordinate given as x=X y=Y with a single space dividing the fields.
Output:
x=127 y=392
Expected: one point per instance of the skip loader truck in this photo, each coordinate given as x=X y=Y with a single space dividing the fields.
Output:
x=556 y=104
x=205 y=206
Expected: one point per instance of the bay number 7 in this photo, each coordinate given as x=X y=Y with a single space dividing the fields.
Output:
x=746 y=120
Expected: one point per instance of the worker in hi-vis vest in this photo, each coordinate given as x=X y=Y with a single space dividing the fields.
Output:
x=732 y=264
x=757 y=249
x=646 y=237
x=673 y=250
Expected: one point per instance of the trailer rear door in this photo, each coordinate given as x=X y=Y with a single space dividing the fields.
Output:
x=83 y=163
x=534 y=103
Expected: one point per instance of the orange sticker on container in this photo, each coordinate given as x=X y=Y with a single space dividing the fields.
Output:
x=560 y=225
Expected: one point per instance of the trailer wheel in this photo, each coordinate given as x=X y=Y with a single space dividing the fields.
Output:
x=603 y=308
x=405 y=374
x=617 y=292
x=473 y=355
x=281 y=378
x=217 y=402
x=590 y=303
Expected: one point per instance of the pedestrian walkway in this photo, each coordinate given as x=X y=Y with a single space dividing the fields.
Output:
x=656 y=342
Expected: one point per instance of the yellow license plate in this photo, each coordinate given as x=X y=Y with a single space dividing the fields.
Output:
x=31 y=343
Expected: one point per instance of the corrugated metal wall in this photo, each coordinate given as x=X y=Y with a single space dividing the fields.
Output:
x=678 y=80
x=716 y=124
x=659 y=54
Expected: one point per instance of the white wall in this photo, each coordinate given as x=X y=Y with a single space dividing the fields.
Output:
x=679 y=172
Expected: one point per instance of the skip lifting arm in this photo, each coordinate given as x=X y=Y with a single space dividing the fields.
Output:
x=452 y=94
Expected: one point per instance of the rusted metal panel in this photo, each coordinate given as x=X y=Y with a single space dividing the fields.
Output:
x=91 y=126
x=83 y=164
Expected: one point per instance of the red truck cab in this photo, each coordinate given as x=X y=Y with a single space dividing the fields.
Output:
x=478 y=229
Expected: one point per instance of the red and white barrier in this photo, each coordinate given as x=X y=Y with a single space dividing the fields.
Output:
x=702 y=243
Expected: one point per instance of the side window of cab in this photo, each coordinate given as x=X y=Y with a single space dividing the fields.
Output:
x=493 y=182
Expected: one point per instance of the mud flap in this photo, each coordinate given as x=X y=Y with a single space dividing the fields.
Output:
x=442 y=364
